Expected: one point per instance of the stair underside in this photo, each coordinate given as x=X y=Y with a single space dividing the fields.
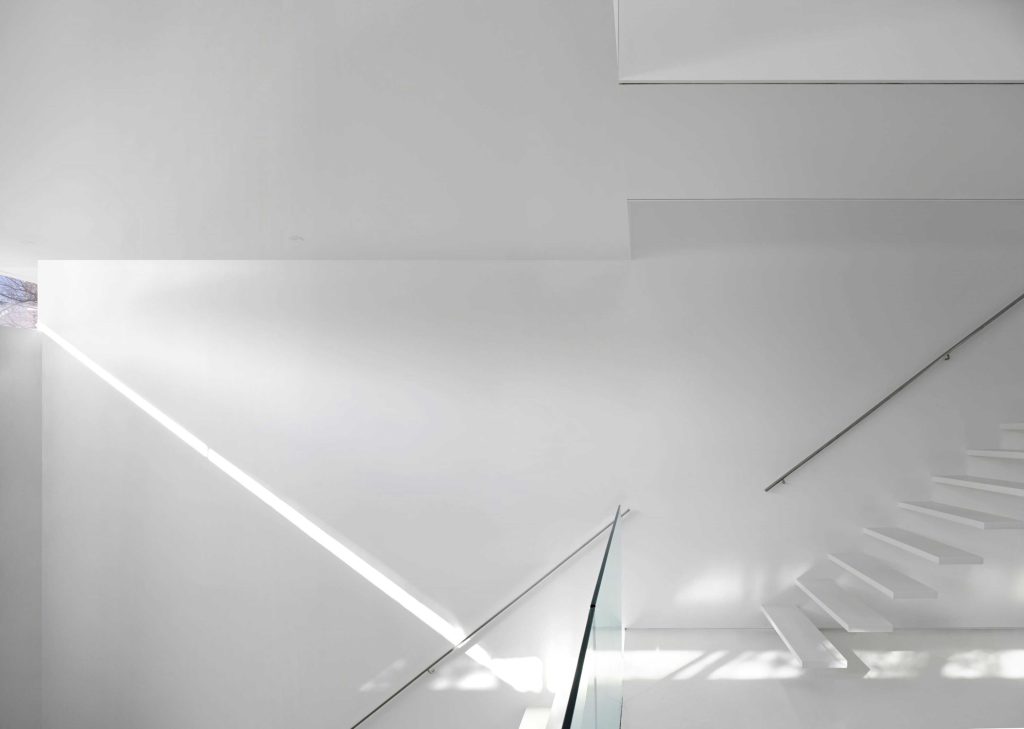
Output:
x=845 y=609
x=921 y=546
x=967 y=517
x=883 y=577
x=803 y=639
x=997 y=453
x=997 y=486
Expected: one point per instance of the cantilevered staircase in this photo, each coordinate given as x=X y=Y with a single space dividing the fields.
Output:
x=810 y=646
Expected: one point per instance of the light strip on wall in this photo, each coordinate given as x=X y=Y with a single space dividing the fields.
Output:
x=451 y=633
x=535 y=719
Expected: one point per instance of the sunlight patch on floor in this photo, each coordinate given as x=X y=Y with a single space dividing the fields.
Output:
x=894 y=664
x=985 y=664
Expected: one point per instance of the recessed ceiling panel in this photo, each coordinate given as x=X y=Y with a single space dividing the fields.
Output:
x=915 y=41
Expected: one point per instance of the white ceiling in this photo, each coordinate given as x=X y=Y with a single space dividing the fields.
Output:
x=401 y=129
x=821 y=40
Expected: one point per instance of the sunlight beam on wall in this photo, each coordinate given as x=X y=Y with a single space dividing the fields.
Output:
x=451 y=633
x=525 y=675
x=534 y=718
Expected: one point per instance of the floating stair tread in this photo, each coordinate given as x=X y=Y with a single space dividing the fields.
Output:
x=803 y=639
x=968 y=517
x=847 y=610
x=995 y=485
x=1012 y=426
x=997 y=453
x=929 y=549
x=882 y=576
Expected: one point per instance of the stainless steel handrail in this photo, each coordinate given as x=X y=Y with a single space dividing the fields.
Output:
x=941 y=358
x=465 y=641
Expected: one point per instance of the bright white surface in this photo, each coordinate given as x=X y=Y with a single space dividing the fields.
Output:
x=811 y=648
x=339 y=682
x=903 y=680
x=844 y=608
x=930 y=549
x=995 y=485
x=391 y=402
x=821 y=40
x=968 y=517
x=443 y=420
x=890 y=582
x=20 y=381
x=174 y=598
x=1013 y=455
x=453 y=634
x=399 y=129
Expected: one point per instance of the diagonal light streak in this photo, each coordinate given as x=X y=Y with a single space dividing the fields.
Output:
x=451 y=633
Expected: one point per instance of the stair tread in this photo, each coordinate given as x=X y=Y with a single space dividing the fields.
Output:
x=802 y=637
x=995 y=485
x=930 y=549
x=1012 y=426
x=846 y=609
x=882 y=576
x=996 y=453
x=969 y=517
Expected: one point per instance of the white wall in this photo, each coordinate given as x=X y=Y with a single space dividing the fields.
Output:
x=20 y=379
x=464 y=425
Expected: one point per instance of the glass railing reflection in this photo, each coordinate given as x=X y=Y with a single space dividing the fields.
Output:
x=595 y=701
